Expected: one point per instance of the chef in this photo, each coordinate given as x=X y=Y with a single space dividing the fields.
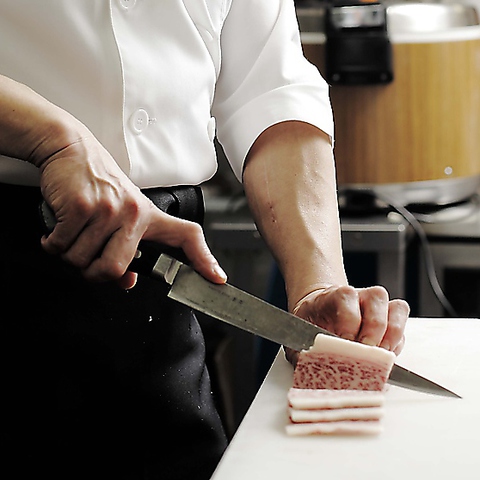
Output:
x=106 y=109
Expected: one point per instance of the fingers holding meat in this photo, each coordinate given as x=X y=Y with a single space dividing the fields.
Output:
x=394 y=338
x=366 y=315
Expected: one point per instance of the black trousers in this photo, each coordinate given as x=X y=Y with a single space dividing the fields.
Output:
x=97 y=382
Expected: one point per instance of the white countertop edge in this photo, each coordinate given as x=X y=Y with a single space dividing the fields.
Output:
x=425 y=435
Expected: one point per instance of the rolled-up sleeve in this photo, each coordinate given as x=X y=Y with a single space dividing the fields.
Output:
x=264 y=77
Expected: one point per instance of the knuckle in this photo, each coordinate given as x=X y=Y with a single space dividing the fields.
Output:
x=191 y=232
x=77 y=260
x=115 y=270
x=347 y=293
x=131 y=209
x=193 y=229
x=376 y=322
x=395 y=328
x=55 y=244
x=58 y=242
x=106 y=210
x=378 y=294
x=101 y=271
x=81 y=206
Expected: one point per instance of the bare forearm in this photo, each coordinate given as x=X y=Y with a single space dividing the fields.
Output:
x=32 y=128
x=289 y=180
x=101 y=215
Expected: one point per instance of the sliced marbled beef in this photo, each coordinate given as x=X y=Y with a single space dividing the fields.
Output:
x=337 y=364
x=335 y=414
x=335 y=428
x=338 y=388
x=339 y=412
x=312 y=399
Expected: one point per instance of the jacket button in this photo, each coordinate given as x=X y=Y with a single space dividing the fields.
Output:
x=139 y=121
x=211 y=128
x=127 y=4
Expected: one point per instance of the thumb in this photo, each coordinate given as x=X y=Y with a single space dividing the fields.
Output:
x=188 y=236
x=202 y=260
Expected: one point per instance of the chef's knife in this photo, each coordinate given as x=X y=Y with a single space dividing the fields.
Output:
x=241 y=309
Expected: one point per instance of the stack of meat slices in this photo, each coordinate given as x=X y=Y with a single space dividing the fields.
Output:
x=339 y=388
x=322 y=411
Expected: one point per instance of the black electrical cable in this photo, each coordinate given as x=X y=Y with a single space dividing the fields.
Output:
x=427 y=253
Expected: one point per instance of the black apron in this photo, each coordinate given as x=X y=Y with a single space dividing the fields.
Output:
x=98 y=382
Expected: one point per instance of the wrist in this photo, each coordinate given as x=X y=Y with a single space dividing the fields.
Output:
x=299 y=291
x=311 y=294
x=57 y=132
x=31 y=127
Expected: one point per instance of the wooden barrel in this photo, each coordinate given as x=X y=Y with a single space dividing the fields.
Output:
x=422 y=127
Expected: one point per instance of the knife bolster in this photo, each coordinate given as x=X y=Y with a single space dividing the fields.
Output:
x=167 y=268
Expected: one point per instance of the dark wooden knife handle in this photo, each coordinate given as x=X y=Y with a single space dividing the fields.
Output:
x=147 y=253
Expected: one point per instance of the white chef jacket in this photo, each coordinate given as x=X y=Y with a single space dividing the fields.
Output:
x=156 y=80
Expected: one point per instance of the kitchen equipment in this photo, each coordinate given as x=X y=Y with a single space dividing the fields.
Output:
x=416 y=138
x=358 y=50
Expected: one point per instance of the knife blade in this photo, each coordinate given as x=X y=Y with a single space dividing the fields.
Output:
x=239 y=308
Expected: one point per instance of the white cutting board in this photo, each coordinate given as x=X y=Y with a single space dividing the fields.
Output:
x=424 y=437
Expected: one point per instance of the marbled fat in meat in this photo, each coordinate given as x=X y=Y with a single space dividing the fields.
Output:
x=337 y=364
x=338 y=388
